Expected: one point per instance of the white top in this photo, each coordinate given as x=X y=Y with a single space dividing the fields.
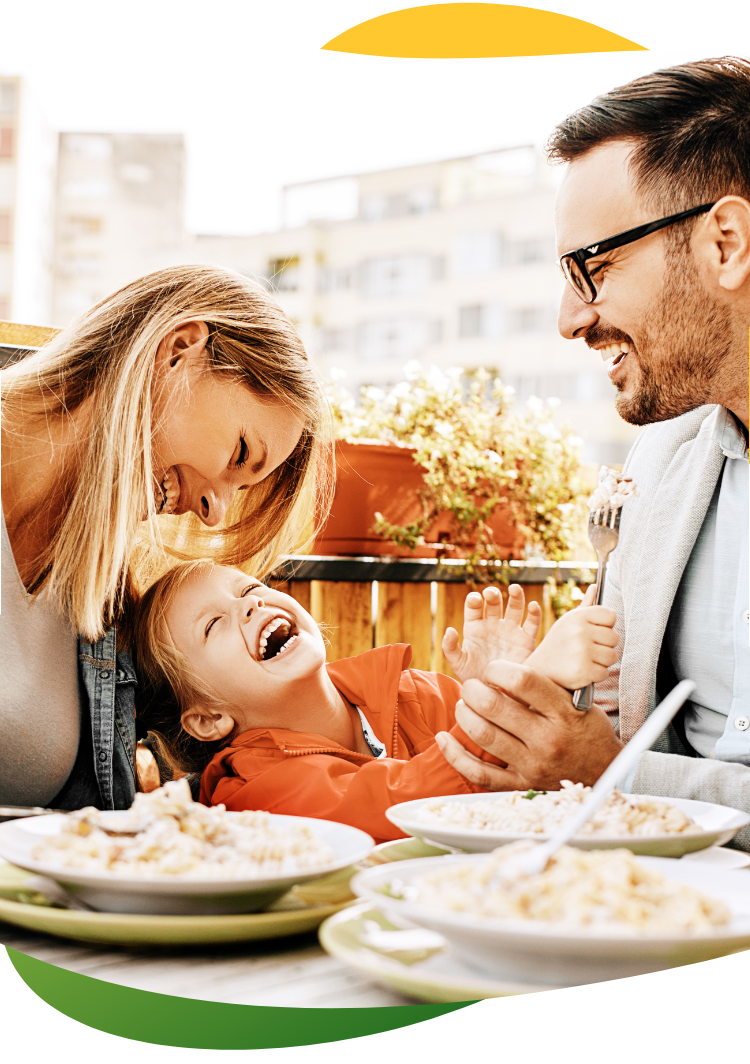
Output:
x=40 y=721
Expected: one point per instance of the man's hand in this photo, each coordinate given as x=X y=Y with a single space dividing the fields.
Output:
x=579 y=648
x=530 y=723
x=488 y=635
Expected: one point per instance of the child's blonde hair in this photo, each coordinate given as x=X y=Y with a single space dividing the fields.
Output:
x=167 y=685
x=92 y=565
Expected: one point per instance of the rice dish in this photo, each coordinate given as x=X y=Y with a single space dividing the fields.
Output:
x=166 y=833
x=540 y=812
x=582 y=888
x=612 y=490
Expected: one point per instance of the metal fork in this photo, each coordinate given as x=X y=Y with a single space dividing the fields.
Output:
x=604 y=532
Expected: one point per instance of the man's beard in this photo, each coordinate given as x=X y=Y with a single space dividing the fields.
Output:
x=685 y=343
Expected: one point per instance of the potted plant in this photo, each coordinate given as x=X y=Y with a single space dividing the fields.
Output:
x=444 y=464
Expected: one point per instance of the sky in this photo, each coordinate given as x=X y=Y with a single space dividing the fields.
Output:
x=261 y=105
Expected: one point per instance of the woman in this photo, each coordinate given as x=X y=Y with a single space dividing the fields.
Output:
x=179 y=417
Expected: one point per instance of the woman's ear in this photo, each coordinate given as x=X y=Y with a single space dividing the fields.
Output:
x=183 y=345
x=206 y=725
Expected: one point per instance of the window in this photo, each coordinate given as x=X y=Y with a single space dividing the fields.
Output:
x=283 y=274
x=487 y=319
x=335 y=279
x=6 y=143
x=380 y=207
x=478 y=252
x=6 y=229
x=334 y=340
x=396 y=338
x=530 y=252
x=82 y=225
x=534 y=319
x=397 y=275
x=86 y=188
x=8 y=96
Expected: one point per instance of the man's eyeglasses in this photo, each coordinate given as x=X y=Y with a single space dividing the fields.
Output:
x=573 y=263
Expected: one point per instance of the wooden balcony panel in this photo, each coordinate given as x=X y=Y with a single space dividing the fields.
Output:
x=405 y=616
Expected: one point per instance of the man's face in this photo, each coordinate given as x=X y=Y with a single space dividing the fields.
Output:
x=663 y=336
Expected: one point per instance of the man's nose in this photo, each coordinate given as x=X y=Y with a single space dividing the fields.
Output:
x=575 y=317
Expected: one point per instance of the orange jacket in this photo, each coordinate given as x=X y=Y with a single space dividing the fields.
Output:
x=290 y=772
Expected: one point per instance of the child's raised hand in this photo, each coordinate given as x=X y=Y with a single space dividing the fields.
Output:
x=488 y=635
x=579 y=648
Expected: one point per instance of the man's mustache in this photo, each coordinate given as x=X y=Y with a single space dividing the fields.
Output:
x=601 y=335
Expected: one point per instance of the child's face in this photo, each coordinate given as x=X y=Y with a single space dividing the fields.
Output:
x=246 y=642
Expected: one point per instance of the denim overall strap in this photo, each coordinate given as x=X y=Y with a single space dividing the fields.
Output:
x=98 y=669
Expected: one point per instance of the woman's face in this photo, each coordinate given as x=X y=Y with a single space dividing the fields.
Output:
x=212 y=436
x=245 y=641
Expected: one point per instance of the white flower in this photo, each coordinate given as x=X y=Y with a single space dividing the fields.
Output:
x=508 y=390
x=549 y=431
x=576 y=593
x=575 y=441
x=535 y=404
x=413 y=370
x=375 y=395
x=444 y=429
x=401 y=390
x=437 y=379
x=494 y=457
x=553 y=402
x=337 y=374
x=455 y=373
x=435 y=456
x=565 y=507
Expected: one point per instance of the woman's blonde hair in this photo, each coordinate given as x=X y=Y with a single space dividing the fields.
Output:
x=167 y=685
x=109 y=539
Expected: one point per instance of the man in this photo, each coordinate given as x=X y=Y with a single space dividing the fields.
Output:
x=667 y=305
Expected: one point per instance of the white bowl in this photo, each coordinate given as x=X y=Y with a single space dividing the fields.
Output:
x=719 y=824
x=177 y=895
x=529 y=951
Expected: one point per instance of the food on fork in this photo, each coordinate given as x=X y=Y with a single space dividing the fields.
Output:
x=543 y=812
x=166 y=834
x=612 y=490
x=586 y=888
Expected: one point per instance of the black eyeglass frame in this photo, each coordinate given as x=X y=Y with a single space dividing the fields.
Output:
x=582 y=255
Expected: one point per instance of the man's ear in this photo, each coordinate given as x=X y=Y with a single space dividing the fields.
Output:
x=181 y=346
x=725 y=243
x=206 y=725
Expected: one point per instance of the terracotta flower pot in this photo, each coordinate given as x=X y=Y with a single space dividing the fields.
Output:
x=375 y=477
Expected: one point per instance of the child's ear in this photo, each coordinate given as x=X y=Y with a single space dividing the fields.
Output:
x=206 y=725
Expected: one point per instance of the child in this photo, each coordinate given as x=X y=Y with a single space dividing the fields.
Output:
x=233 y=681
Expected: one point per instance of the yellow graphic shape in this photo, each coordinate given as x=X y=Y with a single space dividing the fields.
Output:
x=476 y=31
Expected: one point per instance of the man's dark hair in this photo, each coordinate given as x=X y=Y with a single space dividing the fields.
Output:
x=691 y=127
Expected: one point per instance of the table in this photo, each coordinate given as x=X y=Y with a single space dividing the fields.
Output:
x=294 y=971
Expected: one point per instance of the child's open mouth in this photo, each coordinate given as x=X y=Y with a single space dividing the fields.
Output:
x=277 y=637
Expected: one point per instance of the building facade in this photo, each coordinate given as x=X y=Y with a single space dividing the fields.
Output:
x=451 y=263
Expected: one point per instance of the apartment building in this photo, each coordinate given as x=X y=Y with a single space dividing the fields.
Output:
x=120 y=201
x=451 y=263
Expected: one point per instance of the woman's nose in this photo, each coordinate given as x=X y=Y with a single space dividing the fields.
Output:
x=213 y=505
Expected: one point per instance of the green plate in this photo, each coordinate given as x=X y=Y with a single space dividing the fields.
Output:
x=303 y=908
x=403 y=850
x=429 y=973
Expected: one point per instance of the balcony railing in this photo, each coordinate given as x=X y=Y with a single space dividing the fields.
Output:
x=371 y=602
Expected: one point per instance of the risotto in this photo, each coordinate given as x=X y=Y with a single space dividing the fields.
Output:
x=539 y=812
x=578 y=887
x=166 y=833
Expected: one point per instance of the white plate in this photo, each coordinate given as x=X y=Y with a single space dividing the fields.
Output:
x=522 y=951
x=719 y=824
x=106 y=892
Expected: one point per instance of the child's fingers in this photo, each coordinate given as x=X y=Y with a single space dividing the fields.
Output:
x=588 y=598
x=533 y=620
x=516 y=604
x=493 y=603
x=450 y=641
x=473 y=607
x=601 y=615
x=605 y=636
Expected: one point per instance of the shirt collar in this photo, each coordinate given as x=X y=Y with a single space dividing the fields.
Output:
x=729 y=436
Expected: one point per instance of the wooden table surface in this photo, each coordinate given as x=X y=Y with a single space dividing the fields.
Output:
x=293 y=971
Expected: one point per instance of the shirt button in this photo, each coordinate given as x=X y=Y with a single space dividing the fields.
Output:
x=104 y=674
x=746 y=616
x=102 y=756
x=741 y=723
